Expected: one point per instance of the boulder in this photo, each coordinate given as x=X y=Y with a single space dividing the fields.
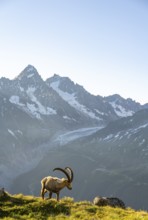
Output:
x=108 y=201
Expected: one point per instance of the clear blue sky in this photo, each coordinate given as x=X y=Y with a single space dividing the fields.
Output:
x=100 y=44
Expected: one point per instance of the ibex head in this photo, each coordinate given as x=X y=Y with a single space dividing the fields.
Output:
x=69 y=174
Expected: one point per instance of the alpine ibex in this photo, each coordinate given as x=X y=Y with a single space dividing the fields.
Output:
x=55 y=184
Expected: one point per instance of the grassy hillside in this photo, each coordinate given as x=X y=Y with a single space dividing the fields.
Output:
x=34 y=208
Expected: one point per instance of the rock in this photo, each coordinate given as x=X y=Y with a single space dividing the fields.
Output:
x=2 y=192
x=104 y=201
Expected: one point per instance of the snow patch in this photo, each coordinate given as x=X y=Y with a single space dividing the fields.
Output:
x=16 y=100
x=101 y=113
x=66 y=117
x=39 y=108
x=110 y=136
x=35 y=109
x=30 y=75
x=30 y=69
x=12 y=133
x=126 y=134
x=120 y=111
x=71 y=99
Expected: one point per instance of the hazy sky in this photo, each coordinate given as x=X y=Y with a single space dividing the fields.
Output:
x=100 y=44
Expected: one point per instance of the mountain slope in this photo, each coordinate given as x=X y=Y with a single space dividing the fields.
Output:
x=110 y=162
x=29 y=207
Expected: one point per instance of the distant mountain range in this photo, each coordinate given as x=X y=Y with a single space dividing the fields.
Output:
x=53 y=123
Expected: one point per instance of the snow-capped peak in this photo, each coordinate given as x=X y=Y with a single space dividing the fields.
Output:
x=29 y=72
x=30 y=68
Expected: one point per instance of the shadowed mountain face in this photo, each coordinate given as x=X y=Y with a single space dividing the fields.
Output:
x=52 y=123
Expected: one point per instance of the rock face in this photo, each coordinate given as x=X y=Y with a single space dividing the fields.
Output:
x=104 y=201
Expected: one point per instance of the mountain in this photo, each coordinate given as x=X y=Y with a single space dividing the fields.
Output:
x=124 y=107
x=111 y=162
x=105 y=109
x=45 y=124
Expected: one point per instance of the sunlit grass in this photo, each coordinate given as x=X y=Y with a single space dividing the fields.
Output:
x=34 y=208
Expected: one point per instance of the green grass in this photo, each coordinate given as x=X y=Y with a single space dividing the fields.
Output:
x=34 y=208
